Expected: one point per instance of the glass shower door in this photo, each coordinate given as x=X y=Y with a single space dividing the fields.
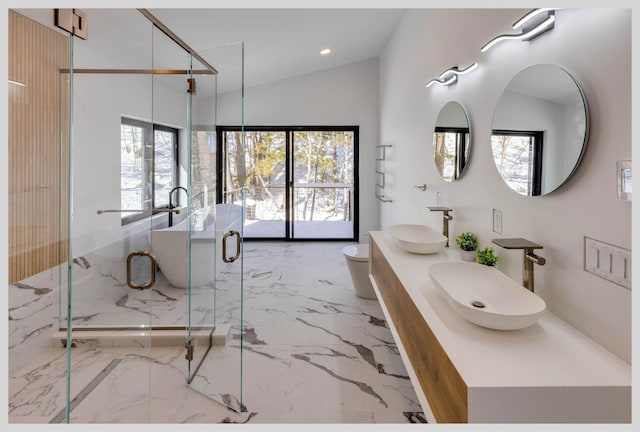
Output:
x=203 y=251
x=216 y=372
x=107 y=304
x=155 y=266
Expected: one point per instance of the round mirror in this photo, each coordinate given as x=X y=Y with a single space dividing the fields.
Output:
x=539 y=130
x=451 y=141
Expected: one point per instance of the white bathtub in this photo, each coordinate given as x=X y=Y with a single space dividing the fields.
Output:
x=171 y=247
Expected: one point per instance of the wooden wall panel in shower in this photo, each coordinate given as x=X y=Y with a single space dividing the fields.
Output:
x=38 y=147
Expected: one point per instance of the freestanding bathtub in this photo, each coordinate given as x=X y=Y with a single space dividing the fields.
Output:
x=171 y=247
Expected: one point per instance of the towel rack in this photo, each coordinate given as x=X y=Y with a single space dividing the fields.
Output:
x=380 y=171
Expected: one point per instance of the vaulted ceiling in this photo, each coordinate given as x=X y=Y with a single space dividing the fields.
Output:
x=280 y=43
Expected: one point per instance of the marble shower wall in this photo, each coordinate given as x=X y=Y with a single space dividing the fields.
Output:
x=37 y=305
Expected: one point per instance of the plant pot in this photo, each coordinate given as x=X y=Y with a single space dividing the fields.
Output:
x=468 y=255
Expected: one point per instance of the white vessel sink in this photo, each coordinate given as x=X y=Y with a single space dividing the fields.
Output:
x=485 y=296
x=418 y=239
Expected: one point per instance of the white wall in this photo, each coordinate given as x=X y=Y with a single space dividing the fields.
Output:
x=585 y=42
x=97 y=156
x=99 y=103
x=100 y=100
x=346 y=96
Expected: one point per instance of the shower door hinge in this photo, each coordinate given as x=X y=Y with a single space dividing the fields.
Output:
x=64 y=343
x=192 y=85
x=72 y=20
x=189 y=347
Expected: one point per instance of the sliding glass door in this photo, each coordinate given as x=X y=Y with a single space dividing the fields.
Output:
x=265 y=181
x=323 y=184
x=301 y=182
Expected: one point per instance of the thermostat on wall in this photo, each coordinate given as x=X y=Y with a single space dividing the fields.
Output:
x=624 y=180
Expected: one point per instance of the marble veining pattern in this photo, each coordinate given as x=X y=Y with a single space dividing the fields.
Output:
x=33 y=312
x=101 y=297
x=313 y=352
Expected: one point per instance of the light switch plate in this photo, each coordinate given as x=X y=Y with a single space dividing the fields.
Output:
x=607 y=261
x=497 y=221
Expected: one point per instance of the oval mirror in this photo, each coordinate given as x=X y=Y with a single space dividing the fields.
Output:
x=451 y=141
x=539 y=130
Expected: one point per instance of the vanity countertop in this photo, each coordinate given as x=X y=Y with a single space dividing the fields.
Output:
x=548 y=354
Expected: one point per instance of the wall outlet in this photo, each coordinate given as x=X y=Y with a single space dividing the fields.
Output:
x=497 y=221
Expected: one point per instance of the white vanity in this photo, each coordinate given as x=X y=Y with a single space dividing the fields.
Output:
x=463 y=373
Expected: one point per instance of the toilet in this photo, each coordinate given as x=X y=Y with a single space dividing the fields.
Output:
x=357 y=257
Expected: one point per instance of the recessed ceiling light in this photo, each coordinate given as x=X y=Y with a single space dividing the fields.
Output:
x=325 y=51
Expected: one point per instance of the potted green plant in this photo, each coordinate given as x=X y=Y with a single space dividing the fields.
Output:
x=486 y=256
x=468 y=242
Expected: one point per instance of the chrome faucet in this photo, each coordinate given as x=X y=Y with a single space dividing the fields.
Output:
x=528 y=258
x=171 y=202
x=446 y=217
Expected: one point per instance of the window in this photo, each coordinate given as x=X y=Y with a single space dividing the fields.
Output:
x=148 y=166
x=450 y=151
x=298 y=182
x=518 y=157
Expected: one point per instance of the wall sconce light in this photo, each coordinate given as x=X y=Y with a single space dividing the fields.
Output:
x=533 y=24
x=450 y=76
x=442 y=82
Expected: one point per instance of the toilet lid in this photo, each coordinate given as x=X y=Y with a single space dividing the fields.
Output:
x=359 y=252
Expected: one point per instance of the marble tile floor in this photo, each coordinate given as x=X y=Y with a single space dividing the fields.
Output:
x=161 y=306
x=312 y=352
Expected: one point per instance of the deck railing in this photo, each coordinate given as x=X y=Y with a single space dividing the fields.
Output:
x=309 y=199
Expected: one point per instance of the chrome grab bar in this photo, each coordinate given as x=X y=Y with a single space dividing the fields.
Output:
x=152 y=281
x=224 y=246
x=176 y=211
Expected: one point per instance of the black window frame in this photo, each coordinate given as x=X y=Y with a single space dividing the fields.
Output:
x=289 y=130
x=537 y=143
x=149 y=134
x=461 y=150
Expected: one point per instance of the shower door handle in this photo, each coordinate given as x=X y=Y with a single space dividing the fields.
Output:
x=224 y=246
x=152 y=279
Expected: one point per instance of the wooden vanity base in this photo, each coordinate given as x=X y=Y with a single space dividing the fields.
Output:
x=440 y=381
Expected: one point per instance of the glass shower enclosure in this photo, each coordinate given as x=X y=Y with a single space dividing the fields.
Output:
x=154 y=265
